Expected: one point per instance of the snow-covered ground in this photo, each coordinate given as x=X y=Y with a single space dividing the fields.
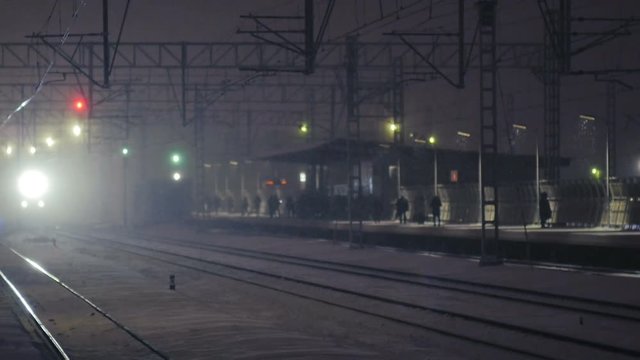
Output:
x=209 y=316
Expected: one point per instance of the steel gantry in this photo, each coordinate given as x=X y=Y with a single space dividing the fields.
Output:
x=488 y=180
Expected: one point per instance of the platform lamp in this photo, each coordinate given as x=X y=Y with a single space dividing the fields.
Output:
x=607 y=198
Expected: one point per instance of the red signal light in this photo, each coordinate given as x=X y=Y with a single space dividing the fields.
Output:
x=79 y=105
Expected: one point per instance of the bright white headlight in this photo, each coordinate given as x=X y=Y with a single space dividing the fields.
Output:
x=33 y=184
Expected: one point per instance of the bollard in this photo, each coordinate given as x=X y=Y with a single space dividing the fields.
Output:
x=172 y=282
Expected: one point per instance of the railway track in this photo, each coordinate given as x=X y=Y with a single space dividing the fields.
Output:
x=239 y=273
x=52 y=343
x=579 y=305
x=60 y=352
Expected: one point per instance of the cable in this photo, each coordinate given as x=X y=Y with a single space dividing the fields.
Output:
x=41 y=82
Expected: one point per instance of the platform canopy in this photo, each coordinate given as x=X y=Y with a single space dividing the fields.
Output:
x=333 y=151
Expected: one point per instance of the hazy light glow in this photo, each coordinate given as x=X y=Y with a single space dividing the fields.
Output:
x=33 y=184
x=519 y=127
x=125 y=151
x=304 y=128
x=464 y=134
x=79 y=104
x=587 y=117
x=432 y=140
x=9 y=150
x=41 y=203
x=303 y=177
x=393 y=127
x=24 y=204
x=76 y=130
x=175 y=158
x=32 y=150
x=177 y=176
x=49 y=141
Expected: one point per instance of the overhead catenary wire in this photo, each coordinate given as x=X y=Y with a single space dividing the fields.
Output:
x=41 y=82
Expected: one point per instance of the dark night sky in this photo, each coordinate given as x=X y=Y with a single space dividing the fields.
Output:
x=431 y=107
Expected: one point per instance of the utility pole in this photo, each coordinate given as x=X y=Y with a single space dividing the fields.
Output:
x=354 y=166
x=105 y=42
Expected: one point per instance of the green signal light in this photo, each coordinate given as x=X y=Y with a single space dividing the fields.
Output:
x=175 y=158
x=125 y=151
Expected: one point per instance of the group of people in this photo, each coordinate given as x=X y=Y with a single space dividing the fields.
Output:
x=402 y=206
x=376 y=208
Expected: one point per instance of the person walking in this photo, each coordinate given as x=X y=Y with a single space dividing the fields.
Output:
x=436 y=204
x=545 y=210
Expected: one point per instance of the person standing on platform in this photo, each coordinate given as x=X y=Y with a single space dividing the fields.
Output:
x=244 y=206
x=545 y=210
x=402 y=205
x=256 y=204
x=273 y=203
x=436 y=204
x=290 y=207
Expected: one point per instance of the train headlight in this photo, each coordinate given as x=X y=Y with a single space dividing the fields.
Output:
x=33 y=184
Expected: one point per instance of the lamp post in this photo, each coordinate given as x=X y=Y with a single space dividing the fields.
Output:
x=524 y=128
x=432 y=142
x=606 y=168
x=125 y=154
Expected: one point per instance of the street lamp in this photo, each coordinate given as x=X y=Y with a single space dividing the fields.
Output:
x=432 y=141
x=393 y=127
x=76 y=130
x=596 y=172
x=49 y=141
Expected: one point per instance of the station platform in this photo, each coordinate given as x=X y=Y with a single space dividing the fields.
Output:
x=602 y=247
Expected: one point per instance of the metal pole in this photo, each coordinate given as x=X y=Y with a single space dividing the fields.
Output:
x=537 y=179
x=105 y=40
x=399 y=183
x=435 y=172
x=183 y=78
x=124 y=191
x=480 y=187
x=606 y=190
x=461 y=52
x=309 y=37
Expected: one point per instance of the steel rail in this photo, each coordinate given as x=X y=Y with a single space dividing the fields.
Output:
x=462 y=316
x=41 y=328
x=90 y=303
